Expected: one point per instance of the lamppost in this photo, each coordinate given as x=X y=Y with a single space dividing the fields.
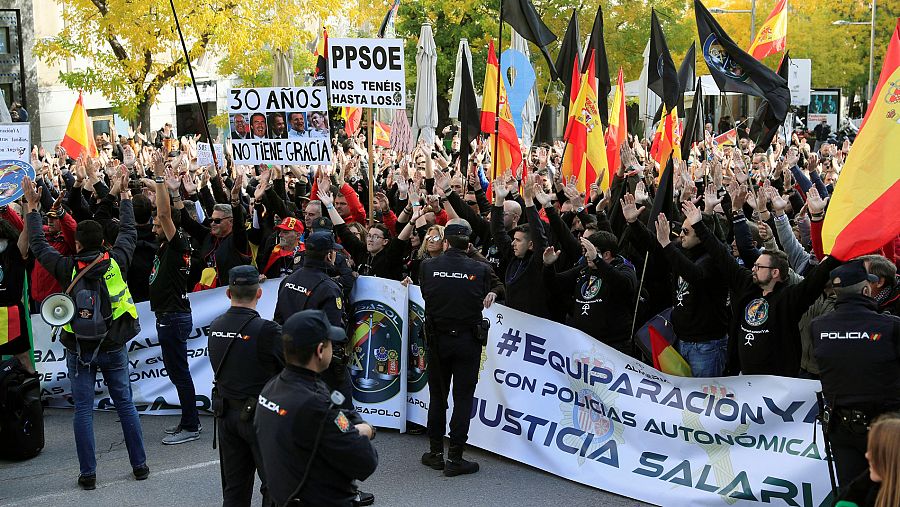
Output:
x=751 y=11
x=871 y=23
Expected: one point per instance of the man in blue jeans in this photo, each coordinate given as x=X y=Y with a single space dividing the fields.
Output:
x=84 y=358
x=169 y=300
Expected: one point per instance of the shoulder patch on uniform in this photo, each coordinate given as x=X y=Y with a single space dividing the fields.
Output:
x=338 y=303
x=342 y=422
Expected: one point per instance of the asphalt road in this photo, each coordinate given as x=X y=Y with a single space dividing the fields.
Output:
x=188 y=474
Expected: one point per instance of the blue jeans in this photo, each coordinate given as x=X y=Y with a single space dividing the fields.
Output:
x=114 y=366
x=173 y=330
x=707 y=359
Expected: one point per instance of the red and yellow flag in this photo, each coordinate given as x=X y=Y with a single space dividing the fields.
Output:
x=863 y=212
x=573 y=156
x=382 y=134
x=585 y=131
x=509 y=154
x=616 y=132
x=667 y=138
x=10 y=324
x=726 y=138
x=772 y=35
x=352 y=116
x=665 y=358
x=79 y=137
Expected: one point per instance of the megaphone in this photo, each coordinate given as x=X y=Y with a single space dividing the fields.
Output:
x=58 y=309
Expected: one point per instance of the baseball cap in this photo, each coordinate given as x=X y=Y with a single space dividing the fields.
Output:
x=291 y=224
x=321 y=240
x=322 y=223
x=457 y=230
x=851 y=273
x=243 y=275
x=310 y=327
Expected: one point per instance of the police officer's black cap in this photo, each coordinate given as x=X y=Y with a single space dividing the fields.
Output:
x=457 y=230
x=322 y=223
x=243 y=275
x=310 y=327
x=851 y=273
x=321 y=241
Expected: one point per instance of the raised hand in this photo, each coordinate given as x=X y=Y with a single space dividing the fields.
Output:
x=629 y=210
x=815 y=202
x=542 y=197
x=692 y=214
x=640 y=193
x=590 y=251
x=500 y=189
x=550 y=256
x=663 y=230
x=711 y=199
x=32 y=194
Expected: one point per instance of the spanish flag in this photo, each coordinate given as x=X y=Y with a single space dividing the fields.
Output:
x=382 y=134
x=588 y=130
x=10 y=324
x=320 y=73
x=863 y=212
x=772 y=35
x=352 y=117
x=573 y=156
x=79 y=137
x=667 y=138
x=509 y=154
x=665 y=358
x=616 y=132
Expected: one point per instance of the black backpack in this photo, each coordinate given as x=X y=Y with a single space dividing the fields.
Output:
x=21 y=413
x=93 y=309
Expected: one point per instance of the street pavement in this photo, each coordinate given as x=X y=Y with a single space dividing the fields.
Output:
x=188 y=474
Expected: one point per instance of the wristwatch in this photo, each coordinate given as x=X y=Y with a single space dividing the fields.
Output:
x=159 y=179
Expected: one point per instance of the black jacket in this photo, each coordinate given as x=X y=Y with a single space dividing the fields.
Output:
x=138 y=274
x=454 y=287
x=254 y=357
x=292 y=408
x=221 y=253
x=858 y=353
x=125 y=327
x=310 y=288
x=765 y=329
x=523 y=277
x=388 y=263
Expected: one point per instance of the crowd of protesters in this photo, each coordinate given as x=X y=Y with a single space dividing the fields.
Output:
x=738 y=259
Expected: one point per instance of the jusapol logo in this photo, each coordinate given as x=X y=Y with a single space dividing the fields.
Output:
x=271 y=405
x=851 y=335
x=461 y=276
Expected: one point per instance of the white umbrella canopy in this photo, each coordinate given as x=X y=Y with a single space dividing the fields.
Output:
x=425 y=115
x=283 y=67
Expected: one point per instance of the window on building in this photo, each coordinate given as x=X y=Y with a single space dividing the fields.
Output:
x=4 y=39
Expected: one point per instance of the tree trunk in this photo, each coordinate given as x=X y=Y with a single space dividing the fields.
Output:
x=143 y=118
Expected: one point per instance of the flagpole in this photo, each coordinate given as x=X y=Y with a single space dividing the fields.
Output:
x=187 y=59
x=371 y=171
x=494 y=158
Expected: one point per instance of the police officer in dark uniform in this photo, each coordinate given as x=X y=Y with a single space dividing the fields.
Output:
x=858 y=352
x=454 y=287
x=312 y=449
x=245 y=352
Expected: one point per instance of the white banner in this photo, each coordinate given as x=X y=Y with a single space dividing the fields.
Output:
x=824 y=105
x=15 y=142
x=204 y=155
x=366 y=73
x=152 y=391
x=378 y=350
x=417 y=380
x=557 y=399
x=279 y=125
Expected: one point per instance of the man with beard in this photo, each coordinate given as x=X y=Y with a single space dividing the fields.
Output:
x=170 y=303
x=280 y=252
x=766 y=313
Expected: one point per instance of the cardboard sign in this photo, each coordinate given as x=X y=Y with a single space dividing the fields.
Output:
x=15 y=142
x=204 y=155
x=279 y=126
x=366 y=73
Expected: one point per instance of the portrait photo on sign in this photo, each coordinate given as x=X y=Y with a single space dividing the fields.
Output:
x=277 y=125
x=258 y=126
x=297 y=124
x=240 y=126
x=318 y=124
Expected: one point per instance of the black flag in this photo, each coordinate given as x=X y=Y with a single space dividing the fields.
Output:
x=663 y=201
x=693 y=127
x=736 y=71
x=765 y=125
x=469 y=115
x=568 y=53
x=686 y=76
x=661 y=75
x=524 y=19
x=601 y=65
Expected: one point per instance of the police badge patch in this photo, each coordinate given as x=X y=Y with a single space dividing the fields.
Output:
x=342 y=422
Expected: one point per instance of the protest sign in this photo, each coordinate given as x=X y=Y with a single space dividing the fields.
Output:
x=824 y=104
x=417 y=378
x=11 y=174
x=378 y=350
x=555 y=398
x=204 y=155
x=366 y=73
x=15 y=142
x=286 y=126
